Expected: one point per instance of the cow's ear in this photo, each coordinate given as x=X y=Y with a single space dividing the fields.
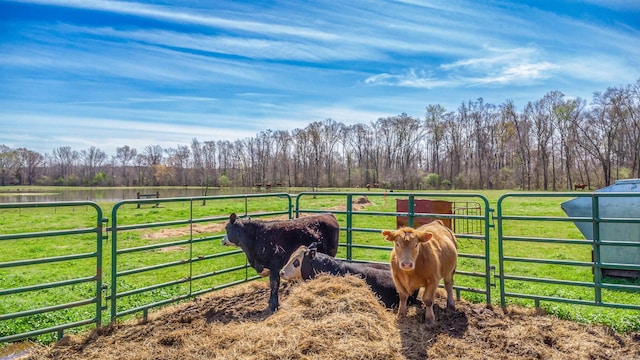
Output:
x=233 y=218
x=425 y=236
x=311 y=250
x=311 y=253
x=388 y=235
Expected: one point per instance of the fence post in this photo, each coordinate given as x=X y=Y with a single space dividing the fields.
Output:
x=349 y=226
x=410 y=210
x=597 y=270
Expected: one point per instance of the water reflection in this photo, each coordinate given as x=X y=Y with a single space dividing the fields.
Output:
x=117 y=194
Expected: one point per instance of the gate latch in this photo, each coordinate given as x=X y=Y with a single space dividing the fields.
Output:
x=105 y=294
x=493 y=268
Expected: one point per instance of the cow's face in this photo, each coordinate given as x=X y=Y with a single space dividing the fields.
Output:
x=301 y=258
x=233 y=231
x=293 y=269
x=407 y=243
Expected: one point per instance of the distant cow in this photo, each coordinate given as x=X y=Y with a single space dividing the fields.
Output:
x=305 y=263
x=420 y=258
x=269 y=244
x=580 y=186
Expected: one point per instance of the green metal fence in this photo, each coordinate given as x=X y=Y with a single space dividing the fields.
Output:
x=167 y=250
x=361 y=239
x=164 y=260
x=575 y=267
x=39 y=304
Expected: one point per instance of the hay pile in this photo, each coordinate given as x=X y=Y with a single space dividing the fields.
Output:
x=339 y=318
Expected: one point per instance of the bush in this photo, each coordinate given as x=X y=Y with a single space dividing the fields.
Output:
x=432 y=181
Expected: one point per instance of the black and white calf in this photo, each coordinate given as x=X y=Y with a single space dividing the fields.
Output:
x=306 y=262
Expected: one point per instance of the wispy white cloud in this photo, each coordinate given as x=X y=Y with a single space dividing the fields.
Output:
x=99 y=59
x=412 y=78
x=179 y=15
x=518 y=73
x=136 y=100
x=494 y=58
x=250 y=47
x=503 y=66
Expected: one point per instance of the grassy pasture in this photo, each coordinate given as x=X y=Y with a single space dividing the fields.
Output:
x=200 y=241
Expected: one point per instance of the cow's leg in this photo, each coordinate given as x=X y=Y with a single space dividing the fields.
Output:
x=427 y=298
x=448 y=285
x=403 y=294
x=274 y=282
x=402 y=306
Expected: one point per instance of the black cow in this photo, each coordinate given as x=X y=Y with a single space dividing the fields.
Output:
x=305 y=263
x=269 y=244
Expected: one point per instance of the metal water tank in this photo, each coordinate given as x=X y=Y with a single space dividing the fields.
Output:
x=612 y=207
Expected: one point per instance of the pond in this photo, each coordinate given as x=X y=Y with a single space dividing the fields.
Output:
x=49 y=194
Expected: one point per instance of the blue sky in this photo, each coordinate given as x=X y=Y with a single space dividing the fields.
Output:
x=84 y=73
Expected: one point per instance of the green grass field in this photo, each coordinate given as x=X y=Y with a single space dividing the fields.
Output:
x=177 y=240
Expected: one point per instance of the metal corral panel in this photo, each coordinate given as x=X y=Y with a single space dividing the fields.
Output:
x=611 y=207
x=423 y=206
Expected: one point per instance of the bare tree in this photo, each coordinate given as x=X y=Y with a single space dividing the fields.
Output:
x=125 y=155
x=92 y=159
x=481 y=117
x=178 y=161
x=64 y=157
x=7 y=165
x=140 y=165
x=566 y=114
x=153 y=157
x=197 y=167
x=455 y=133
x=631 y=104
x=522 y=127
x=599 y=132
x=209 y=161
x=264 y=144
x=360 y=144
x=330 y=132
x=410 y=134
x=300 y=163
x=239 y=164
x=250 y=162
x=224 y=159
x=28 y=163
x=543 y=132
x=318 y=148
x=282 y=157
x=435 y=125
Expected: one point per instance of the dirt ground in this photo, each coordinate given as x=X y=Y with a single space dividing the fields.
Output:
x=339 y=318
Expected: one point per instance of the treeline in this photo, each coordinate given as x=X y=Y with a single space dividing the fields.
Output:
x=550 y=144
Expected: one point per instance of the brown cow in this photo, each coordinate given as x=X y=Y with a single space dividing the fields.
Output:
x=580 y=186
x=420 y=258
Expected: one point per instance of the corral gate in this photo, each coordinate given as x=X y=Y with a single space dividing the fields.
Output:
x=544 y=257
x=190 y=256
x=469 y=216
x=86 y=249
